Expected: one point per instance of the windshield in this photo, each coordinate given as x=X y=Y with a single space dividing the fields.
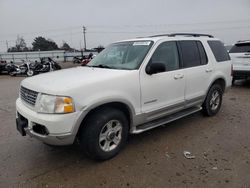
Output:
x=240 y=48
x=123 y=55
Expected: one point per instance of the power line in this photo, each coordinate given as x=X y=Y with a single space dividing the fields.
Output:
x=128 y=26
x=133 y=32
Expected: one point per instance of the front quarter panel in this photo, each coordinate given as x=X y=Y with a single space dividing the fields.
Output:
x=124 y=89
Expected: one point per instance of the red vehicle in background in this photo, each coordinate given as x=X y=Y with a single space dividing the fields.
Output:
x=87 y=60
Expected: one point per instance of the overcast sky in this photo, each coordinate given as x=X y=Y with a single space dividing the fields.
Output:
x=111 y=20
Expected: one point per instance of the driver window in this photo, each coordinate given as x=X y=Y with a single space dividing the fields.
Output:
x=167 y=53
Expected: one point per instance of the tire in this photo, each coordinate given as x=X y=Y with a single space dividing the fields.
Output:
x=233 y=81
x=57 y=67
x=104 y=133
x=12 y=73
x=30 y=73
x=213 y=101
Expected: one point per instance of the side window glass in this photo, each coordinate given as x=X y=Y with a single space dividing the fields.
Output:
x=167 y=53
x=219 y=51
x=203 y=54
x=190 y=54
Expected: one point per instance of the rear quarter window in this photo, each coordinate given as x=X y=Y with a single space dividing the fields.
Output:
x=219 y=51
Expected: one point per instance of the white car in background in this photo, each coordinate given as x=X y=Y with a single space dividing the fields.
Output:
x=240 y=55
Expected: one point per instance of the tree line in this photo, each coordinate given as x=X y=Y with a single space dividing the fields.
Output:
x=41 y=44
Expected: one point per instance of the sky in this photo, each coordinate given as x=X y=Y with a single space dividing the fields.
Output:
x=111 y=20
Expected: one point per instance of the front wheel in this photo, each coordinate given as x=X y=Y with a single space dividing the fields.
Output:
x=30 y=73
x=212 y=103
x=12 y=73
x=104 y=133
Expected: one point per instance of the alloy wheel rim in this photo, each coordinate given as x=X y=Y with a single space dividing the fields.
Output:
x=110 y=135
x=215 y=100
x=30 y=73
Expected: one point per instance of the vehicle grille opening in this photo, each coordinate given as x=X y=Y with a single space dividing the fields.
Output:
x=21 y=117
x=40 y=129
x=28 y=96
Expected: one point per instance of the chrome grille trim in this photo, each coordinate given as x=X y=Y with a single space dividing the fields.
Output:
x=28 y=96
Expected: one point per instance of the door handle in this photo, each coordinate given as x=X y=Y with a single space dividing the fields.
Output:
x=178 y=76
x=209 y=70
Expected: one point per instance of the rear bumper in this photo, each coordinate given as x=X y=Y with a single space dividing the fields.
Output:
x=241 y=74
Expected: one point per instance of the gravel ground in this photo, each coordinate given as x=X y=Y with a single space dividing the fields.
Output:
x=221 y=146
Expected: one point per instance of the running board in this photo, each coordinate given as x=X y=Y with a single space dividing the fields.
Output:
x=164 y=120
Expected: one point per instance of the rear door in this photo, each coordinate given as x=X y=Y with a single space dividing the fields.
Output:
x=197 y=70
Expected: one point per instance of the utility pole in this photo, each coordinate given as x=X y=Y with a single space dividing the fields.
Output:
x=7 y=45
x=81 y=48
x=84 y=37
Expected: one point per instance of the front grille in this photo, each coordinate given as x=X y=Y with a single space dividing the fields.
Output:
x=28 y=96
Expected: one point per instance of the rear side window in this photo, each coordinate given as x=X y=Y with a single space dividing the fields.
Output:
x=219 y=51
x=193 y=53
x=203 y=54
x=240 y=48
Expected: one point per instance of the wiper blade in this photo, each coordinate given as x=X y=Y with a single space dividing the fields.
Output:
x=100 y=66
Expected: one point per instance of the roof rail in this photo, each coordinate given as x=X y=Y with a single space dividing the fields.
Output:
x=191 y=34
x=243 y=41
x=160 y=35
x=183 y=34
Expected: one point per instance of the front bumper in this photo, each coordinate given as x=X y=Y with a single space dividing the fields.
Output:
x=61 y=128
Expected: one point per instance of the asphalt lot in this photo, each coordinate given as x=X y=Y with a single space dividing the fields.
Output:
x=221 y=146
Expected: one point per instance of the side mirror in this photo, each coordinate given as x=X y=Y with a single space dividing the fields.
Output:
x=154 y=68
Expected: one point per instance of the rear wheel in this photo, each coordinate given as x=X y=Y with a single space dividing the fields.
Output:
x=57 y=67
x=30 y=73
x=12 y=73
x=212 y=103
x=104 y=133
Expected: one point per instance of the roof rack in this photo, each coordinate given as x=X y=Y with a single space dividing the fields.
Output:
x=161 y=35
x=184 y=34
x=243 y=41
x=191 y=34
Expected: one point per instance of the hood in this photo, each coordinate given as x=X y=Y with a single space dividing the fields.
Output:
x=59 y=82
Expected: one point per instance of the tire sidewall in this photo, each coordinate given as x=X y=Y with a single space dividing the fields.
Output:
x=94 y=125
x=30 y=73
x=12 y=74
x=208 y=109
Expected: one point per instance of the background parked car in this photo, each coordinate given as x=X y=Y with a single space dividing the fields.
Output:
x=240 y=55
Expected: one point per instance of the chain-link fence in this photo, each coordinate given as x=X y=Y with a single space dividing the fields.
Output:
x=59 y=55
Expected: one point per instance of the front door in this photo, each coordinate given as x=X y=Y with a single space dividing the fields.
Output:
x=163 y=93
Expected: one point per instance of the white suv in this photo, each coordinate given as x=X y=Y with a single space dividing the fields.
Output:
x=130 y=87
x=240 y=54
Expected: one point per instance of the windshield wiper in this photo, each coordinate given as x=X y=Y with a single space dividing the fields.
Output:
x=100 y=66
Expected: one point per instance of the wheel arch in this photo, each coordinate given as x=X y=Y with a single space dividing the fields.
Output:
x=122 y=106
x=219 y=80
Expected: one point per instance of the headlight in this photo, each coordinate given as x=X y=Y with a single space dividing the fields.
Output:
x=54 y=104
